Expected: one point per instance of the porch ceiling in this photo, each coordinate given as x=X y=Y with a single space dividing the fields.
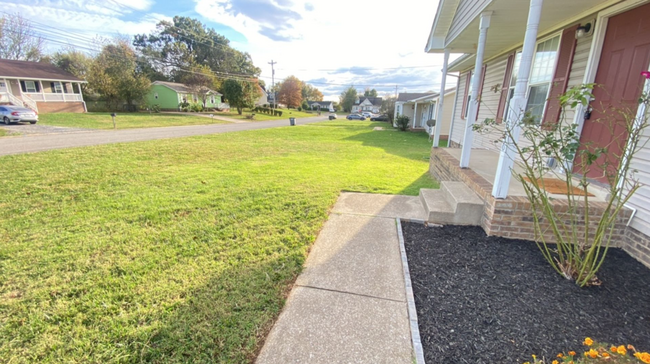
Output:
x=508 y=24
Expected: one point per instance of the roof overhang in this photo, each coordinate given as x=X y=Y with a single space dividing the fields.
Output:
x=507 y=26
x=41 y=79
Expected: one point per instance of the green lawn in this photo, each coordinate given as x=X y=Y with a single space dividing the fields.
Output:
x=102 y=120
x=286 y=114
x=3 y=132
x=178 y=250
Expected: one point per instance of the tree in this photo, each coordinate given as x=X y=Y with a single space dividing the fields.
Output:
x=75 y=62
x=305 y=105
x=178 y=45
x=388 y=107
x=370 y=93
x=114 y=76
x=348 y=98
x=201 y=81
x=290 y=92
x=18 y=40
x=240 y=94
x=311 y=93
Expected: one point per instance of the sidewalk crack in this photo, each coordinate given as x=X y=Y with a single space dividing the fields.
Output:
x=352 y=293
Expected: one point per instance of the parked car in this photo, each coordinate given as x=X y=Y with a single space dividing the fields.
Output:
x=367 y=114
x=14 y=114
x=383 y=117
x=332 y=116
x=355 y=117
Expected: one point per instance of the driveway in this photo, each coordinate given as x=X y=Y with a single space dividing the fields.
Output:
x=28 y=129
x=29 y=143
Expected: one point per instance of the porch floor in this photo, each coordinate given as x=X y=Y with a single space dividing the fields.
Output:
x=484 y=162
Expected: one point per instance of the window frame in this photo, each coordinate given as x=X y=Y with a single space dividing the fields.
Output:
x=515 y=70
x=27 y=88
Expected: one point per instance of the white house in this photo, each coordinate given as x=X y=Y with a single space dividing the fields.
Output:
x=520 y=55
x=364 y=103
x=321 y=105
x=422 y=107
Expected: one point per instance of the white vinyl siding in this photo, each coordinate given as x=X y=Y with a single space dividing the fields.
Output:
x=467 y=11
x=458 y=126
x=641 y=200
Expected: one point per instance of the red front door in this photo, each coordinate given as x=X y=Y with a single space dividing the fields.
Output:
x=625 y=54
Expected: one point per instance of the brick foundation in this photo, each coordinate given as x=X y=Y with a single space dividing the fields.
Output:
x=637 y=244
x=513 y=217
x=47 y=107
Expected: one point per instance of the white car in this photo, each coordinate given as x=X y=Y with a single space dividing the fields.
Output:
x=367 y=114
x=14 y=114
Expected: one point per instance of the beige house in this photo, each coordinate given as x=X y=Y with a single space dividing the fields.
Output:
x=41 y=87
x=519 y=56
x=422 y=107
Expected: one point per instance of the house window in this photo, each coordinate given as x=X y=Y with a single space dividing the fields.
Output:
x=212 y=99
x=155 y=95
x=56 y=87
x=541 y=76
x=30 y=86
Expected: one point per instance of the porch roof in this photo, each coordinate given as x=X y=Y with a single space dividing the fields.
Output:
x=34 y=71
x=507 y=28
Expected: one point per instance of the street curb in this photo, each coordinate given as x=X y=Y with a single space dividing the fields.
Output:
x=413 y=316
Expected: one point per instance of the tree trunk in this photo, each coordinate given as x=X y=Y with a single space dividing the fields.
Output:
x=239 y=110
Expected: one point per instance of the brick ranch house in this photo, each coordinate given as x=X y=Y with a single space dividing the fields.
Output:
x=39 y=86
x=520 y=55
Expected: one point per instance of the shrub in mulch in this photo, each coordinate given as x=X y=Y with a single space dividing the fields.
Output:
x=483 y=299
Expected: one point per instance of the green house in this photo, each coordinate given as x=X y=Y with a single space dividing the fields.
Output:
x=169 y=95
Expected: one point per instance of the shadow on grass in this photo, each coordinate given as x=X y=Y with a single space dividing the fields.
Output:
x=424 y=181
x=227 y=319
x=414 y=146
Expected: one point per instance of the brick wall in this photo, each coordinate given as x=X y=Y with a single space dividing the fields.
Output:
x=637 y=244
x=47 y=107
x=513 y=217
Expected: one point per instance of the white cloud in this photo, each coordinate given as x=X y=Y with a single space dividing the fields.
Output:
x=333 y=34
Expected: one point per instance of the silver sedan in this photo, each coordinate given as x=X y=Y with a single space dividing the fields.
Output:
x=14 y=114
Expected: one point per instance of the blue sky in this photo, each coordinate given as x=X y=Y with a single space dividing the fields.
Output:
x=329 y=43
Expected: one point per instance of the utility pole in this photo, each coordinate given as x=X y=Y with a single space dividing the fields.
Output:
x=275 y=101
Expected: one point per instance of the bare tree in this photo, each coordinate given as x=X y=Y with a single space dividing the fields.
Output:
x=18 y=40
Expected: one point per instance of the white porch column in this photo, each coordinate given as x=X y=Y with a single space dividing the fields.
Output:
x=415 y=113
x=518 y=102
x=468 y=139
x=40 y=85
x=440 y=104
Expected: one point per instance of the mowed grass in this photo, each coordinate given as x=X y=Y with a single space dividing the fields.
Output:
x=286 y=114
x=103 y=120
x=3 y=132
x=179 y=250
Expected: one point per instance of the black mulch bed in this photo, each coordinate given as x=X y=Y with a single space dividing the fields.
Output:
x=492 y=300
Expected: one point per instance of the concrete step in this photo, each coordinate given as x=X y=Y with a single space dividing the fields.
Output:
x=454 y=203
x=438 y=210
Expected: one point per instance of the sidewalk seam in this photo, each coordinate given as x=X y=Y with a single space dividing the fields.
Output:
x=379 y=216
x=413 y=316
x=350 y=293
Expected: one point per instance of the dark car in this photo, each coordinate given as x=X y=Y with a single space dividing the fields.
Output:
x=355 y=117
x=383 y=117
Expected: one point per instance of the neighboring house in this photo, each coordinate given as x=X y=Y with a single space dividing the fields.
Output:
x=263 y=99
x=571 y=42
x=363 y=103
x=321 y=105
x=422 y=107
x=168 y=95
x=39 y=86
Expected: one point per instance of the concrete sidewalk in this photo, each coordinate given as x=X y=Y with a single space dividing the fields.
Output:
x=349 y=305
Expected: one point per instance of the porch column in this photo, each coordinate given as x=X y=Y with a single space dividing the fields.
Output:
x=518 y=103
x=468 y=139
x=415 y=113
x=440 y=104
x=40 y=85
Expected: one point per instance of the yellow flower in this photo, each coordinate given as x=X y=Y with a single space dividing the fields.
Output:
x=613 y=349
x=588 y=341
x=560 y=355
x=644 y=357
x=605 y=355
x=555 y=362
x=572 y=353
x=592 y=353
x=621 y=350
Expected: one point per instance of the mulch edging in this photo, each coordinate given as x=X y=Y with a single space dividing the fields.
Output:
x=491 y=300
